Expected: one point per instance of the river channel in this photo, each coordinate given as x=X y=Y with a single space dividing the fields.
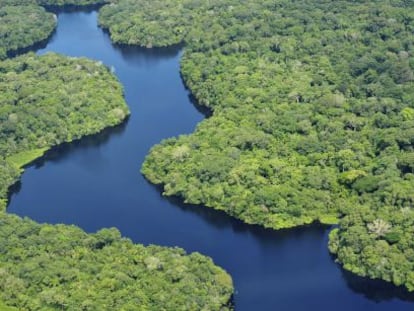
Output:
x=96 y=183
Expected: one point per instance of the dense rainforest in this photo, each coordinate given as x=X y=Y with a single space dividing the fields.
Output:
x=45 y=101
x=35 y=25
x=313 y=117
x=45 y=267
x=24 y=23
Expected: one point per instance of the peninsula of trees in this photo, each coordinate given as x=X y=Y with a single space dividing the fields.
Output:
x=313 y=117
x=21 y=26
x=45 y=267
x=48 y=100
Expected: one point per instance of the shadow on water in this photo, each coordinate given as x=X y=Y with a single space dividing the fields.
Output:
x=376 y=290
x=70 y=8
x=220 y=219
x=135 y=54
x=132 y=53
x=34 y=47
x=60 y=152
x=204 y=110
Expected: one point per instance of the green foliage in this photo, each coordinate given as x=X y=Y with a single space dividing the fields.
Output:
x=376 y=247
x=19 y=160
x=47 y=100
x=312 y=115
x=3 y=307
x=22 y=26
x=147 y=23
x=3 y=205
x=45 y=267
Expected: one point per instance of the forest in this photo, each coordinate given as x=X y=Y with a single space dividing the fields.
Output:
x=312 y=117
x=35 y=25
x=48 y=100
x=53 y=99
x=59 y=267
x=312 y=120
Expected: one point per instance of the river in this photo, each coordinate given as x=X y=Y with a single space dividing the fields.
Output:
x=96 y=183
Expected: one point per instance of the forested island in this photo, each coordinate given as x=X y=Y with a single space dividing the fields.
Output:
x=46 y=101
x=313 y=117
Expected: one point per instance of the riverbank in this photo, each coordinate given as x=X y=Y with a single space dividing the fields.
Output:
x=93 y=184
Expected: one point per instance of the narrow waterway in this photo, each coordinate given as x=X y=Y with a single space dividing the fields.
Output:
x=95 y=183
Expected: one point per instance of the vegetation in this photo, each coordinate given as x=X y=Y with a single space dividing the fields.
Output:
x=61 y=3
x=3 y=307
x=54 y=3
x=34 y=25
x=45 y=101
x=378 y=243
x=148 y=23
x=49 y=100
x=313 y=117
x=45 y=267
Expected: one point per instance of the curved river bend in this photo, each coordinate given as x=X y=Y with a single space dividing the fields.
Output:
x=96 y=183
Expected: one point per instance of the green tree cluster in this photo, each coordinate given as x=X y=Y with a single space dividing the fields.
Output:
x=22 y=26
x=157 y=23
x=48 y=100
x=313 y=116
x=377 y=243
x=46 y=267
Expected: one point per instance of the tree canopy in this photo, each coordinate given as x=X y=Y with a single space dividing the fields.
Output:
x=313 y=116
x=46 y=267
x=22 y=26
x=48 y=100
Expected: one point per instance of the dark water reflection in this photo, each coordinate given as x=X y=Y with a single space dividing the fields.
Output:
x=95 y=183
x=376 y=290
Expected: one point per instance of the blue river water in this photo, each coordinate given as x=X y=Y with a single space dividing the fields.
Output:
x=96 y=183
